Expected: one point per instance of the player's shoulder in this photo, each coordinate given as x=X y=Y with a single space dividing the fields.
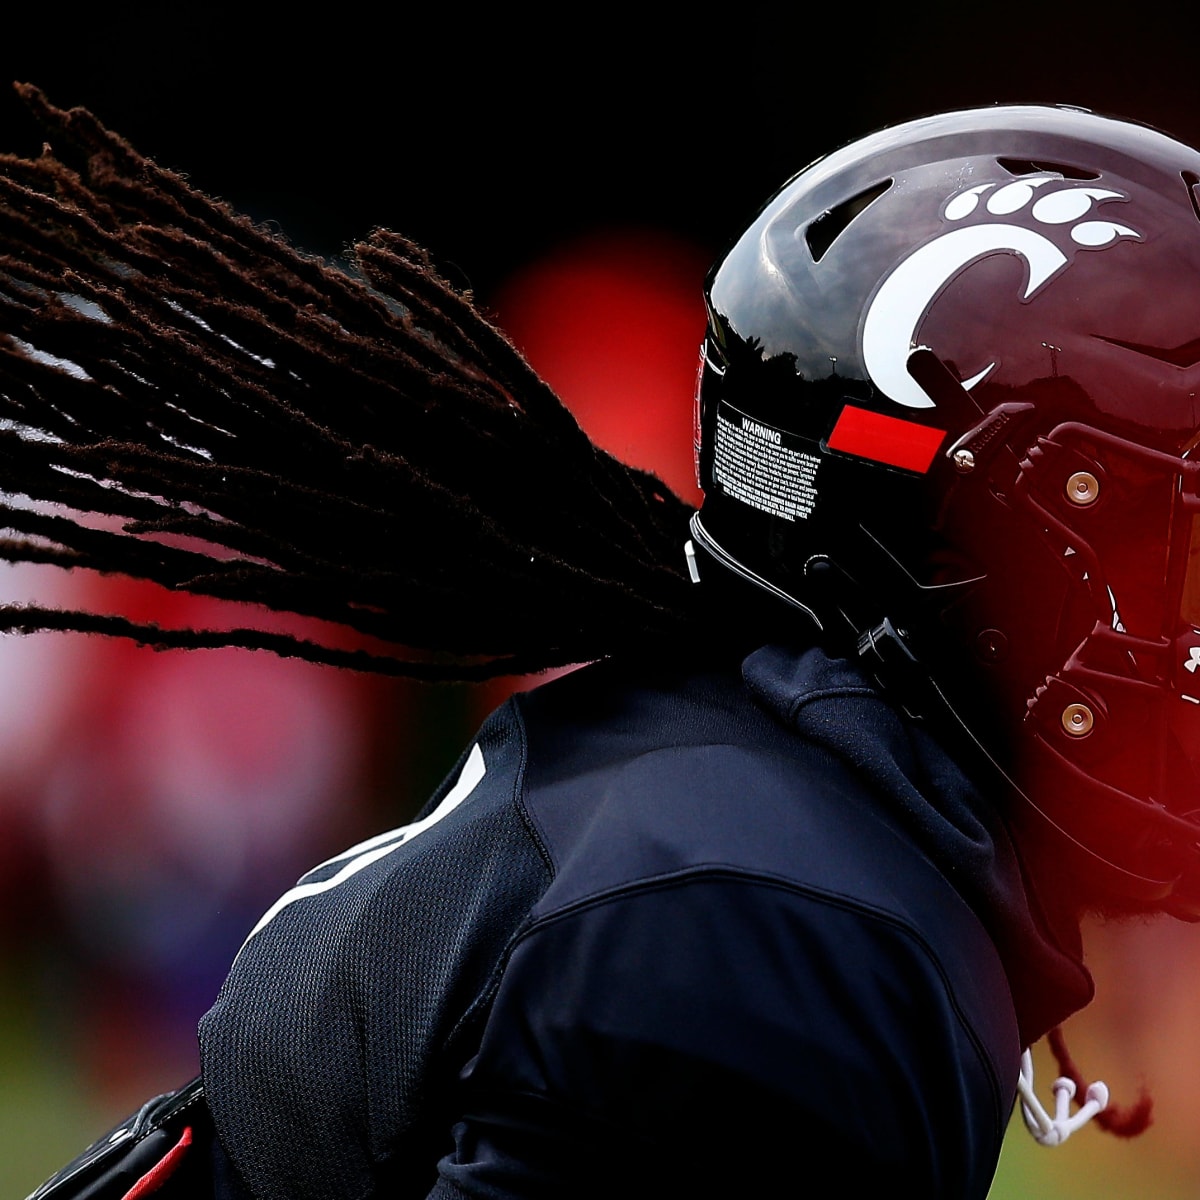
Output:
x=638 y=771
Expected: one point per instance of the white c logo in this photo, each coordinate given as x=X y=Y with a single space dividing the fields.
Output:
x=895 y=314
x=906 y=294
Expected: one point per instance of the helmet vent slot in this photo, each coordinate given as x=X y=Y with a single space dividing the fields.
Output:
x=1193 y=189
x=1025 y=166
x=825 y=230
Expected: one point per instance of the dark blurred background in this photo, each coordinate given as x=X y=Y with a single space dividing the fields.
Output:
x=579 y=168
x=493 y=135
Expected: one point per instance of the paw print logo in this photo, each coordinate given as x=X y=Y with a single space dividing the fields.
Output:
x=1054 y=207
x=1028 y=217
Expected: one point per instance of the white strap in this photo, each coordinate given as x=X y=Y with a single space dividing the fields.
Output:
x=1053 y=1131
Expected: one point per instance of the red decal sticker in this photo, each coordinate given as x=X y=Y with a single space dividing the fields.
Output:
x=885 y=439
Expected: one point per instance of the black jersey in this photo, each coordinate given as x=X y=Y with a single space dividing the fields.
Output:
x=657 y=932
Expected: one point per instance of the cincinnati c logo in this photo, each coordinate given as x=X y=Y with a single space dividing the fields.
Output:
x=904 y=297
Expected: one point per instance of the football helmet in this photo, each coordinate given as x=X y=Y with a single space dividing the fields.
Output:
x=948 y=410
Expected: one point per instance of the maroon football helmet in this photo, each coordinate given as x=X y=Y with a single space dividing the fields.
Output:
x=948 y=408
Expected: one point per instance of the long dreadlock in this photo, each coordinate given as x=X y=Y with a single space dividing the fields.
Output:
x=186 y=399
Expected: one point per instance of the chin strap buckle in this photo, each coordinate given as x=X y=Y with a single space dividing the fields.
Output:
x=885 y=647
x=884 y=651
x=1053 y=1131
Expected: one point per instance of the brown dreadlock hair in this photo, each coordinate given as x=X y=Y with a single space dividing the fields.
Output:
x=185 y=398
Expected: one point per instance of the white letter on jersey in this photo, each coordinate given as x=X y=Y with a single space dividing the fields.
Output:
x=373 y=849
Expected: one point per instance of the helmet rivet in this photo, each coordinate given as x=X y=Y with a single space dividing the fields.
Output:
x=1077 y=720
x=1083 y=488
x=964 y=461
x=991 y=645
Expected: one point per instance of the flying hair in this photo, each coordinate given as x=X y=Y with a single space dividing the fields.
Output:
x=187 y=399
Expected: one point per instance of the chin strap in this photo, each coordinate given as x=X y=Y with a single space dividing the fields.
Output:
x=1053 y=1131
x=702 y=541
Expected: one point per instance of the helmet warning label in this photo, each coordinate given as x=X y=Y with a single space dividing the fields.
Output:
x=754 y=463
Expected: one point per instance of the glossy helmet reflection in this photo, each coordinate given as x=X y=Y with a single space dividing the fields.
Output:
x=948 y=409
